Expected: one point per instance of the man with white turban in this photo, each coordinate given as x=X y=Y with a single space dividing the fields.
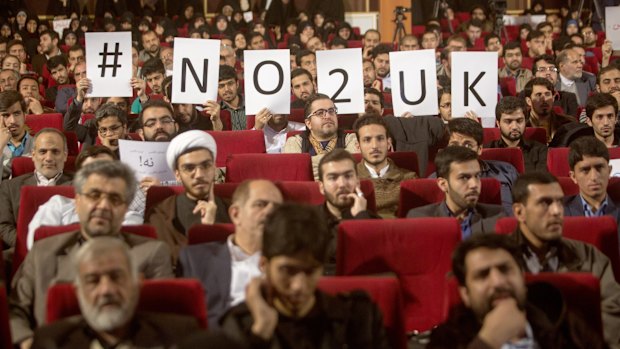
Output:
x=191 y=155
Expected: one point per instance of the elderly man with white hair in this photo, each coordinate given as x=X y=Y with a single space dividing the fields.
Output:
x=191 y=155
x=108 y=290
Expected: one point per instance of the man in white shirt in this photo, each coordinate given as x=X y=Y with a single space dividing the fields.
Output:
x=275 y=127
x=226 y=267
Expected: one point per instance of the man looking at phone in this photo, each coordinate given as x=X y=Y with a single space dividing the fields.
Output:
x=284 y=309
x=191 y=155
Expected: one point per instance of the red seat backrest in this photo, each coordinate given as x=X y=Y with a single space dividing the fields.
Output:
x=284 y=167
x=533 y=133
x=5 y=330
x=404 y=159
x=308 y=192
x=175 y=296
x=508 y=86
x=568 y=186
x=385 y=293
x=557 y=160
x=237 y=142
x=202 y=233
x=601 y=232
x=424 y=191
x=417 y=250
x=38 y=122
x=145 y=230
x=513 y=156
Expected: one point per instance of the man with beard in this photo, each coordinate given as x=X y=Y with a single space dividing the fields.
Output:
x=375 y=142
x=151 y=45
x=275 y=128
x=307 y=59
x=284 y=309
x=166 y=55
x=191 y=155
x=322 y=135
x=103 y=191
x=340 y=185
x=608 y=81
x=153 y=73
x=510 y=119
x=225 y=268
x=512 y=65
x=588 y=159
x=539 y=208
x=602 y=116
x=188 y=117
x=371 y=39
x=49 y=45
x=81 y=105
x=539 y=94
x=573 y=78
x=381 y=60
x=57 y=66
x=108 y=289
x=157 y=123
x=15 y=140
x=589 y=36
x=497 y=311
x=458 y=176
x=544 y=67
x=109 y=125
x=232 y=100
x=28 y=86
x=303 y=87
x=370 y=75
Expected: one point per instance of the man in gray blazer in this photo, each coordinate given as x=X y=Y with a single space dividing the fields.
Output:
x=588 y=159
x=458 y=176
x=226 y=267
x=573 y=78
x=103 y=191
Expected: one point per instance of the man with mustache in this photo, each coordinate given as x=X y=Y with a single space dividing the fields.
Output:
x=302 y=87
x=15 y=140
x=108 y=290
x=381 y=59
x=510 y=119
x=539 y=94
x=231 y=98
x=539 y=209
x=153 y=74
x=608 y=81
x=188 y=117
x=545 y=67
x=602 y=116
x=513 y=59
x=573 y=78
x=103 y=191
x=225 y=268
x=458 y=176
x=375 y=142
x=588 y=159
x=498 y=310
x=191 y=155
x=322 y=134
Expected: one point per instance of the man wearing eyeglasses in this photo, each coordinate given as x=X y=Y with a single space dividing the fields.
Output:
x=86 y=131
x=322 y=134
x=544 y=67
x=512 y=65
x=103 y=191
x=191 y=155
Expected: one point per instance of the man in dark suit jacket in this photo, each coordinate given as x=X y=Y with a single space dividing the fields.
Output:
x=588 y=159
x=225 y=267
x=49 y=155
x=458 y=176
x=108 y=288
x=103 y=190
x=544 y=67
x=572 y=77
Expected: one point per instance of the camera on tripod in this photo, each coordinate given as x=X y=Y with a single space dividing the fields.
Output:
x=400 y=10
x=498 y=6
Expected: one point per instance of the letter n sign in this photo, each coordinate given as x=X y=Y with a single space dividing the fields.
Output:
x=195 y=70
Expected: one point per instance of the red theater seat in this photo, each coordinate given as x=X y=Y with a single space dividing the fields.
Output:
x=174 y=296
x=513 y=156
x=557 y=160
x=533 y=133
x=237 y=142
x=284 y=167
x=308 y=192
x=417 y=250
x=38 y=122
x=203 y=233
x=5 y=330
x=145 y=230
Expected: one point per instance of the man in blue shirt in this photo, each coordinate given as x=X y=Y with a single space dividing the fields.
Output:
x=15 y=140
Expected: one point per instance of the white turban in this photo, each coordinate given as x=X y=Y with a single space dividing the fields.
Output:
x=187 y=140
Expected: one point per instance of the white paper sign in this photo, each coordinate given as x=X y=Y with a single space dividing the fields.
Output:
x=414 y=86
x=60 y=25
x=339 y=75
x=190 y=82
x=615 y=167
x=108 y=64
x=146 y=159
x=474 y=85
x=267 y=75
x=612 y=26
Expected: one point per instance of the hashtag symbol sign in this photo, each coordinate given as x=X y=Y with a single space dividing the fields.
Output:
x=104 y=65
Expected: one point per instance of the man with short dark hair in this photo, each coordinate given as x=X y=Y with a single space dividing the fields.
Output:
x=49 y=45
x=510 y=119
x=231 y=98
x=602 y=116
x=588 y=159
x=473 y=31
x=512 y=65
x=608 y=81
x=226 y=267
x=81 y=105
x=307 y=59
x=370 y=75
x=188 y=117
x=536 y=43
x=57 y=66
x=103 y=191
x=371 y=39
x=497 y=311
x=153 y=74
x=373 y=102
x=409 y=42
x=15 y=140
x=75 y=55
x=493 y=43
x=285 y=309
x=157 y=122
x=539 y=209
x=302 y=86
x=381 y=59
x=544 y=67
x=375 y=142
x=539 y=94
x=28 y=86
x=458 y=176
x=151 y=44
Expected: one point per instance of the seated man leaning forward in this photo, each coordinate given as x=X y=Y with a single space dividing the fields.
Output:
x=226 y=267
x=108 y=290
x=191 y=155
x=103 y=191
x=458 y=176
x=322 y=134
x=285 y=309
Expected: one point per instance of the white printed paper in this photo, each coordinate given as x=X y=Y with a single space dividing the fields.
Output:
x=414 y=86
x=267 y=75
x=190 y=82
x=146 y=159
x=108 y=64
x=339 y=75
